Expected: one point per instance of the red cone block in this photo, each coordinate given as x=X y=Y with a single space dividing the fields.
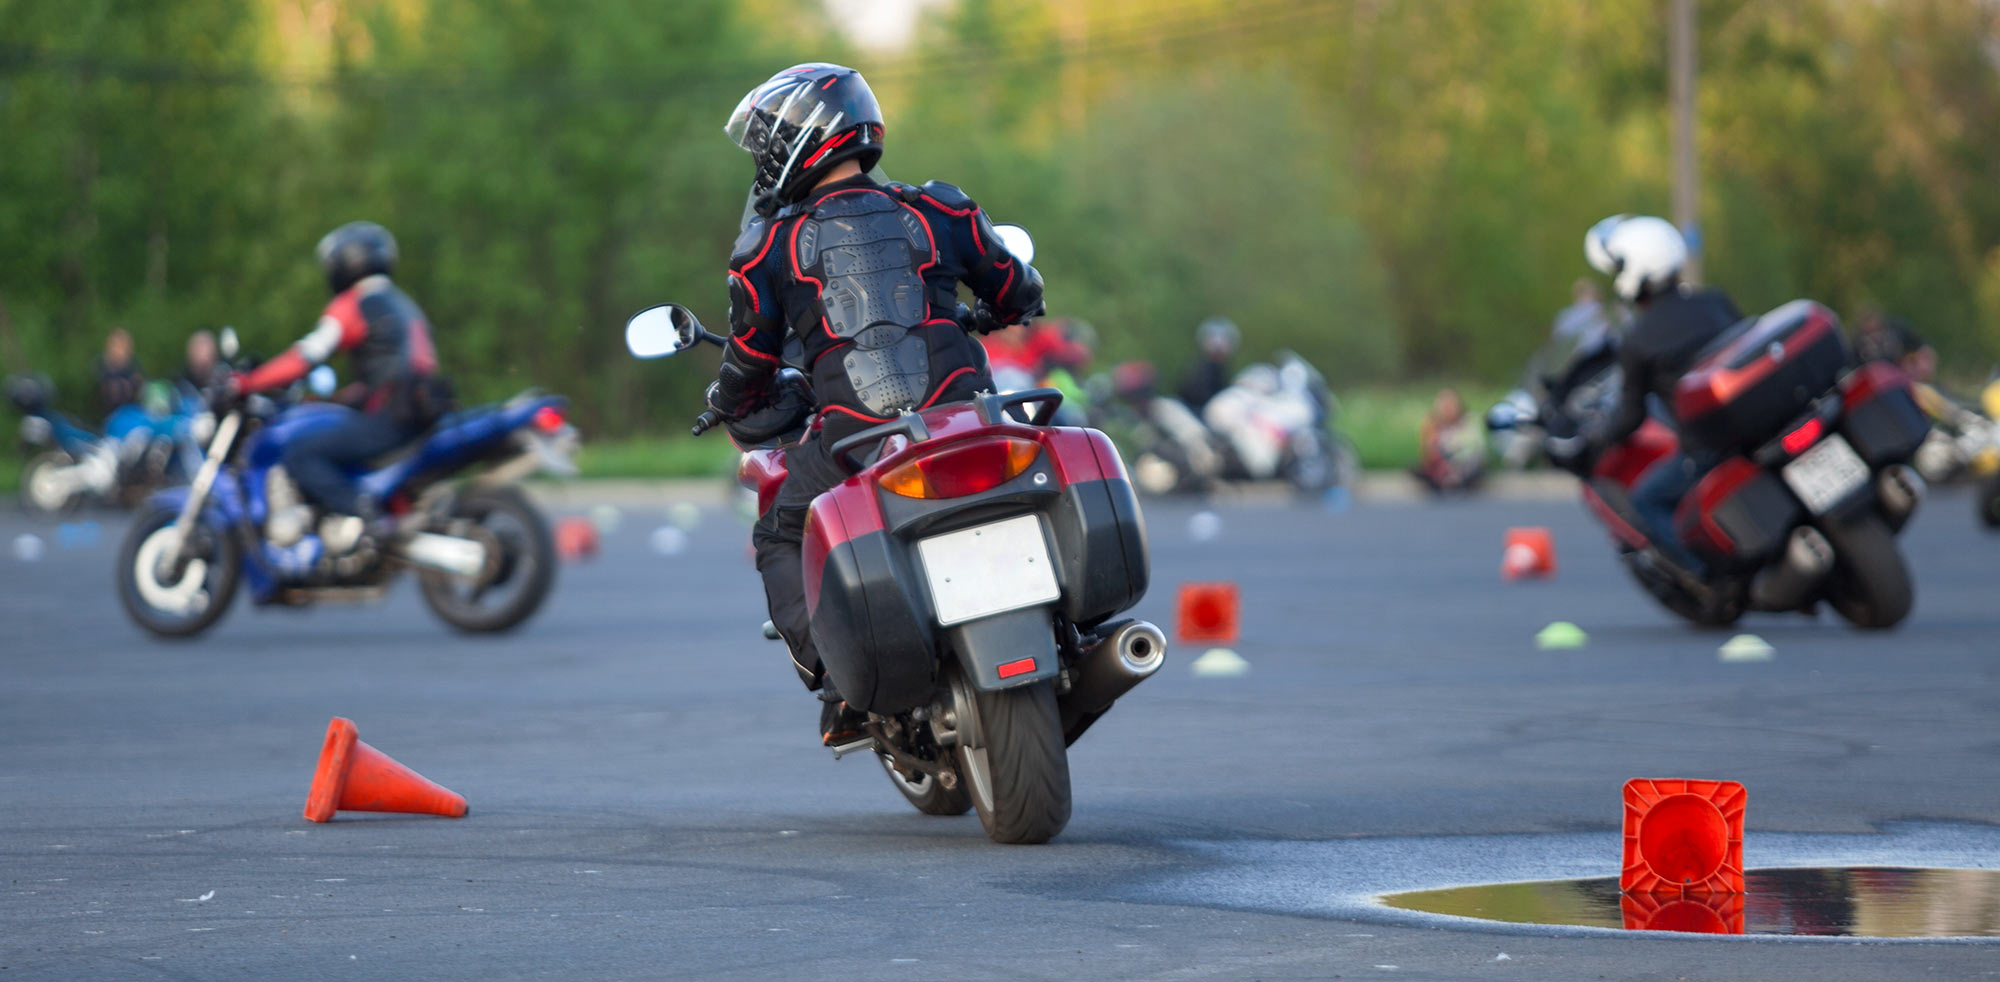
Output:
x=1683 y=837
x=353 y=776
x=1530 y=552
x=1209 y=613
x=576 y=538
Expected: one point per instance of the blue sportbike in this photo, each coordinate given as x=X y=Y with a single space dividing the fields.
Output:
x=145 y=446
x=482 y=551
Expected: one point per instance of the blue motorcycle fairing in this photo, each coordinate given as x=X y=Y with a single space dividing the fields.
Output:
x=455 y=439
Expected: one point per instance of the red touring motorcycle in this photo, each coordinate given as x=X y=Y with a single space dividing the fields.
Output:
x=963 y=586
x=1815 y=479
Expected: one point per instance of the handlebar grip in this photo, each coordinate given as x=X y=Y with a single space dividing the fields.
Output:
x=708 y=420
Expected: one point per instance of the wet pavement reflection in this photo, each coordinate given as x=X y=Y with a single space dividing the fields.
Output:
x=1859 y=901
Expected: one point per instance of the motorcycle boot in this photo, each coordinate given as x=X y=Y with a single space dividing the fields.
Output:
x=839 y=724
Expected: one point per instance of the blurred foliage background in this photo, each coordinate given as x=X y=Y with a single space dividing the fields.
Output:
x=1396 y=188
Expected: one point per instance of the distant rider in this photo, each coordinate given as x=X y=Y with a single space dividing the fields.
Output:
x=1216 y=341
x=866 y=276
x=1644 y=257
x=397 y=391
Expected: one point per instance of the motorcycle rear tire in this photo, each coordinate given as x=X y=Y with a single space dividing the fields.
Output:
x=1019 y=776
x=539 y=553
x=1987 y=502
x=928 y=795
x=1871 y=583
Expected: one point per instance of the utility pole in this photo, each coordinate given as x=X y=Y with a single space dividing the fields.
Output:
x=1680 y=83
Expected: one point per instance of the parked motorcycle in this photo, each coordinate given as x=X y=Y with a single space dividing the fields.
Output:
x=144 y=447
x=1964 y=443
x=1814 y=482
x=964 y=586
x=1273 y=422
x=482 y=551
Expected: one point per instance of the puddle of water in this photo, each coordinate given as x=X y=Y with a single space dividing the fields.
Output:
x=1857 y=901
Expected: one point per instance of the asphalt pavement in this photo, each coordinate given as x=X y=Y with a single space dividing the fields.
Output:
x=648 y=799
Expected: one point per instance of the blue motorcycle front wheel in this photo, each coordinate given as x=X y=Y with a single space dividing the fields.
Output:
x=176 y=599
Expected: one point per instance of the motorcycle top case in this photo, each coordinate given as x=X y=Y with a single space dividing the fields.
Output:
x=1754 y=380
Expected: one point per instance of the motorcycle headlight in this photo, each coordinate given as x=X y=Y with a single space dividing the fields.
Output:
x=36 y=430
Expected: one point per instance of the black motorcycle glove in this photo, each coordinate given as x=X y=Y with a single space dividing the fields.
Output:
x=736 y=393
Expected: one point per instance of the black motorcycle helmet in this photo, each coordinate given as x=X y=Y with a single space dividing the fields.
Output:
x=802 y=123
x=356 y=250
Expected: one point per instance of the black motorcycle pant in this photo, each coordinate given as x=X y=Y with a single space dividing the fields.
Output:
x=809 y=472
x=321 y=461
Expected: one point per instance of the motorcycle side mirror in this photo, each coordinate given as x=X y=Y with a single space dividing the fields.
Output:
x=322 y=381
x=226 y=343
x=657 y=332
x=1017 y=241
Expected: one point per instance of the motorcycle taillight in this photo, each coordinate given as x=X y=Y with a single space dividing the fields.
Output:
x=548 y=419
x=967 y=468
x=1797 y=441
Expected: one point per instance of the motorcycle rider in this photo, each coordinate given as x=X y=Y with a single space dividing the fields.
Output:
x=1644 y=257
x=119 y=378
x=398 y=391
x=866 y=275
x=1216 y=340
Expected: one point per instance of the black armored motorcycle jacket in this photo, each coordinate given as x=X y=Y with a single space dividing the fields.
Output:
x=866 y=276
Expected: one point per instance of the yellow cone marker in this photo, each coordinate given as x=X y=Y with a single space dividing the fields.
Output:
x=1745 y=647
x=1219 y=663
x=1560 y=636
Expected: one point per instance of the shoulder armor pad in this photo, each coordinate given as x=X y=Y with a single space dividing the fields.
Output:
x=908 y=192
x=750 y=243
x=949 y=196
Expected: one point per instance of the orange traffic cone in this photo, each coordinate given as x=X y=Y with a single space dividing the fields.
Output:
x=1530 y=552
x=1683 y=837
x=1208 y=613
x=576 y=538
x=353 y=776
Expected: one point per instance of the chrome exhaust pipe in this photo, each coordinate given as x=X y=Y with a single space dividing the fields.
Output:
x=1785 y=586
x=1129 y=656
x=1900 y=489
x=446 y=553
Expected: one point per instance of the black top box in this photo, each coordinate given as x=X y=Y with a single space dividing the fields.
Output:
x=1757 y=378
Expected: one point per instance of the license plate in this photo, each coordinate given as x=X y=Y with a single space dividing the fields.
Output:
x=1826 y=474
x=988 y=569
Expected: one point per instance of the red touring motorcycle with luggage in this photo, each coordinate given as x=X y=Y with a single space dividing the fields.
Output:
x=963 y=587
x=1814 y=480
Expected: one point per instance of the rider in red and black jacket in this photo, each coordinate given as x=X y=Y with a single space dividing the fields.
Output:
x=866 y=276
x=395 y=384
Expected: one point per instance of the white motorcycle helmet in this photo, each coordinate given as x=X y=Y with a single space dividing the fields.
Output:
x=1642 y=254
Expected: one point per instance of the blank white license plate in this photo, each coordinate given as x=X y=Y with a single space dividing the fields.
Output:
x=1826 y=474
x=988 y=569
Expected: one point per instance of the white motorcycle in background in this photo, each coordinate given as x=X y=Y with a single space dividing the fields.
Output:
x=1271 y=423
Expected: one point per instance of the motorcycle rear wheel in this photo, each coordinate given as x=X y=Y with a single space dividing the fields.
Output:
x=1986 y=501
x=1018 y=771
x=184 y=607
x=527 y=563
x=927 y=794
x=1871 y=584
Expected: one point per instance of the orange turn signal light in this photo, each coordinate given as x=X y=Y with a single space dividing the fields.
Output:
x=964 y=469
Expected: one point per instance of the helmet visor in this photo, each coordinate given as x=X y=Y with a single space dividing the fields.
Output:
x=800 y=97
